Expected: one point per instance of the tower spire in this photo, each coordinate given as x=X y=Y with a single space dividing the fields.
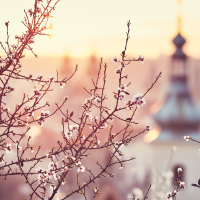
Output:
x=179 y=17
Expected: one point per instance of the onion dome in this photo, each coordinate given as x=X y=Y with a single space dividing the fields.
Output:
x=179 y=116
x=179 y=41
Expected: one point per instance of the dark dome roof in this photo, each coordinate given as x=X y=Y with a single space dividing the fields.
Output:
x=179 y=41
x=179 y=116
x=179 y=109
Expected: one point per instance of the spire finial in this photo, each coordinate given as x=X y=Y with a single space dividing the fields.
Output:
x=179 y=17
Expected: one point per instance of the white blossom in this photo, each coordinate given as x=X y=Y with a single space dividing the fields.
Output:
x=114 y=60
x=81 y=169
x=186 y=138
x=141 y=58
x=8 y=148
x=179 y=169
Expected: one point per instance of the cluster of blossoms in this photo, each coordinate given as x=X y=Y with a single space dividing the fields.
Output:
x=9 y=150
x=11 y=54
x=119 y=144
x=73 y=161
x=11 y=59
x=111 y=136
x=44 y=176
x=96 y=143
x=122 y=90
x=81 y=168
x=42 y=117
x=129 y=104
x=171 y=194
x=138 y=100
x=181 y=185
x=88 y=101
x=95 y=99
x=30 y=113
x=93 y=119
x=93 y=124
x=22 y=38
x=175 y=192
x=123 y=65
x=36 y=93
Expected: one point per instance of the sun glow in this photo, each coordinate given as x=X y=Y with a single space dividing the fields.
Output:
x=35 y=130
x=151 y=136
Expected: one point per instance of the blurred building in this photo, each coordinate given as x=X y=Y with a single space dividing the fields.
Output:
x=178 y=117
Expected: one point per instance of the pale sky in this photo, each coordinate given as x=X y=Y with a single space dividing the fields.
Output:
x=81 y=27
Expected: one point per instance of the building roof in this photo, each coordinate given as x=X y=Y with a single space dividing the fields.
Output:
x=179 y=116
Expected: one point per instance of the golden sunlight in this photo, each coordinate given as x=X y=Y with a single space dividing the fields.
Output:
x=151 y=136
x=35 y=130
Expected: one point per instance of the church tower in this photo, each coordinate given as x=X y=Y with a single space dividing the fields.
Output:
x=178 y=117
